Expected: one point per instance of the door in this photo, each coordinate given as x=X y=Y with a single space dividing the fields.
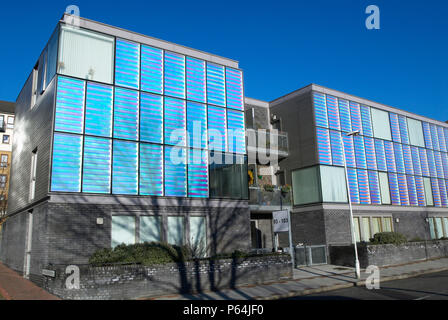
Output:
x=28 y=244
x=198 y=236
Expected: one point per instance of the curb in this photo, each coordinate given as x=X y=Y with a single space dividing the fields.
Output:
x=306 y=292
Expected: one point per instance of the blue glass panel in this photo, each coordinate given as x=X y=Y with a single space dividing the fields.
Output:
x=363 y=185
x=323 y=146
x=424 y=162
x=380 y=155
x=416 y=161
x=407 y=156
x=367 y=129
x=349 y=151
x=196 y=89
x=443 y=193
x=431 y=163
x=360 y=152
x=399 y=160
x=125 y=167
x=427 y=134
x=395 y=127
x=375 y=195
x=151 y=118
x=439 y=165
x=217 y=128
x=236 y=134
x=175 y=172
x=175 y=122
x=420 y=189
x=403 y=187
x=344 y=115
x=445 y=164
x=370 y=153
x=151 y=169
x=174 y=75
x=333 y=113
x=234 y=89
x=442 y=140
x=66 y=167
x=197 y=125
x=390 y=156
x=197 y=173
x=152 y=69
x=126 y=114
x=97 y=164
x=394 y=190
x=127 y=64
x=216 y=91
x=403 y=129
x=70 y=105
x=353 y=185
x=320 y=110
x=99 y=102
x=412 y=189
x=356 y=116
x=336 y=148
x=436 y=192
x=434 y=137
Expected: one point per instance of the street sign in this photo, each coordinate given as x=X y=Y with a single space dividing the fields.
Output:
x=280 y=220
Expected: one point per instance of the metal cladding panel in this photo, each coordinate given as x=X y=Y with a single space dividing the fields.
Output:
x=216 y=119
x=436 y=192
x=420 y=189
x=175 y=172
x=96 y=165
x=320 y=109
x=151 y=169
x=344 y=115
x=431 y=163
x=390 y=156
x=416 y=161
x=69 y=115
x=356 y=116
x=395 y=127
x=127 y=64
x=336 y=148
x=323 y=146
x=353 y=185
x=399 y=160
x=380 y=155
x=66 y=165
x=403 y=188
x=197 y=173
x=427 y=135
x=407 y=156
x=367 y=128
x=126 y=114
x=443 y=192
x=434 y=137
x=412 y=189
x=235 y=125
x=99 y=105
x=394 y=189
x=196 y=78
x=125 y=167
x=363 y=185
x=360 y=152
x=404 y=134
x=424 y=162
x=216 y=86
x=151 y=118
x=439 y=164
x=234 y=89
x=333 y=113
x=370 y=153
x=442 y=139
x=197 y=125
x=174 y=75
x=349 y=151
x=152 y=69
x=175 y=121
x=374 y=186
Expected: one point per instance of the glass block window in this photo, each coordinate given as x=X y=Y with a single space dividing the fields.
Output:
x=363 y=185
x=152 y=69
x=394 y=190
x=236 y=133
x=360 y=152
x=197 y=125
x=367 y=129
x=370 y=153
x=234 y=89
x=427 y=135
x=174 y=75
x=333 y=113
x=349 y=151
x=420 y=189
x=127 y=64
x=403 y=129
x=151 y=118
x=320 y=110
x=99 y=110
x=175 y=172
x=374 y=187
x=412 y=189
x=70 y=105
x=125 y=167
x=407 y=156
x=196 y=88
x=344 y=115
x=126 y=114
x=216 y=89
x=416 y=161
x=323 y=144
x=217 y=128
x=395 y=126
x=197 y=173
x=96 y=165
x=175 y=122
x=380 y=155
x=353 y=185
x=356 y=116
x=66 y=165
x=336 y=148
x=381 y=124
x=151 y=169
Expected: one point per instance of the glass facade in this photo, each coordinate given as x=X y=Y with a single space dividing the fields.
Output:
x=145 y=121
x=394 y=160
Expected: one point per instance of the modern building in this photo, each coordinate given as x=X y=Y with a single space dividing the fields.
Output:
x=397 y=168
x=6 y=133
x=124 y=138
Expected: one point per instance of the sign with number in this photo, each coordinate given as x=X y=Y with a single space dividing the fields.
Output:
x=280 y=221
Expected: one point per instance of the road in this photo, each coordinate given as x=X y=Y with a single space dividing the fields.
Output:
x=432 y=286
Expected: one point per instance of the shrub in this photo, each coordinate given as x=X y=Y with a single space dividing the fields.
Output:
x=417 y=239
x=444 y=238
x=388 y=238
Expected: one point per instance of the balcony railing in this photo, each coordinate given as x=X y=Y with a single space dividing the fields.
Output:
x=275 y=199
x=270 y=141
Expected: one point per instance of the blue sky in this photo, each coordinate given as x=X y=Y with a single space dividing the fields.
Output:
x=281 y=45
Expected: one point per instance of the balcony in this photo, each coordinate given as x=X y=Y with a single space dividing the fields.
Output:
x=268 y=141
x=263 y=200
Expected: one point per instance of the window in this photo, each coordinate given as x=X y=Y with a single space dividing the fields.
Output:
x=34 y=86
x=126 y=114
x=150 y=228
x=99 y=110
x=175 y=172
x=334 y=188
x=151 y=169
x=196 y=80
x=174 y=74
x=305 y=186
x=33 y=175
x=428 y=192
x=52 y=55
x=2 y=123
x=127 y=64
x=384 y=188
x=125 y=167
x=86 y=54
x=387 y=224
x=376 y=225
x=366 y=235
x=66 y=173
x=381 y=124
x=197 y=125
x=175 y=127
x=438 y=227
x=416 y=133
x=41 y=73
x=198 y=236
x=236 y=136
x=216 y=91
x=151 y=118
x=152 y=69
x=197 y=173
x=373 y=225
x=10 y=124
x=2 y=181
x=70 y=105
x=123 y=230
x=357 y=229
x=217 y=128
x=97 y=163
x=234 y=89
x=4 y=161
x=175 y=230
